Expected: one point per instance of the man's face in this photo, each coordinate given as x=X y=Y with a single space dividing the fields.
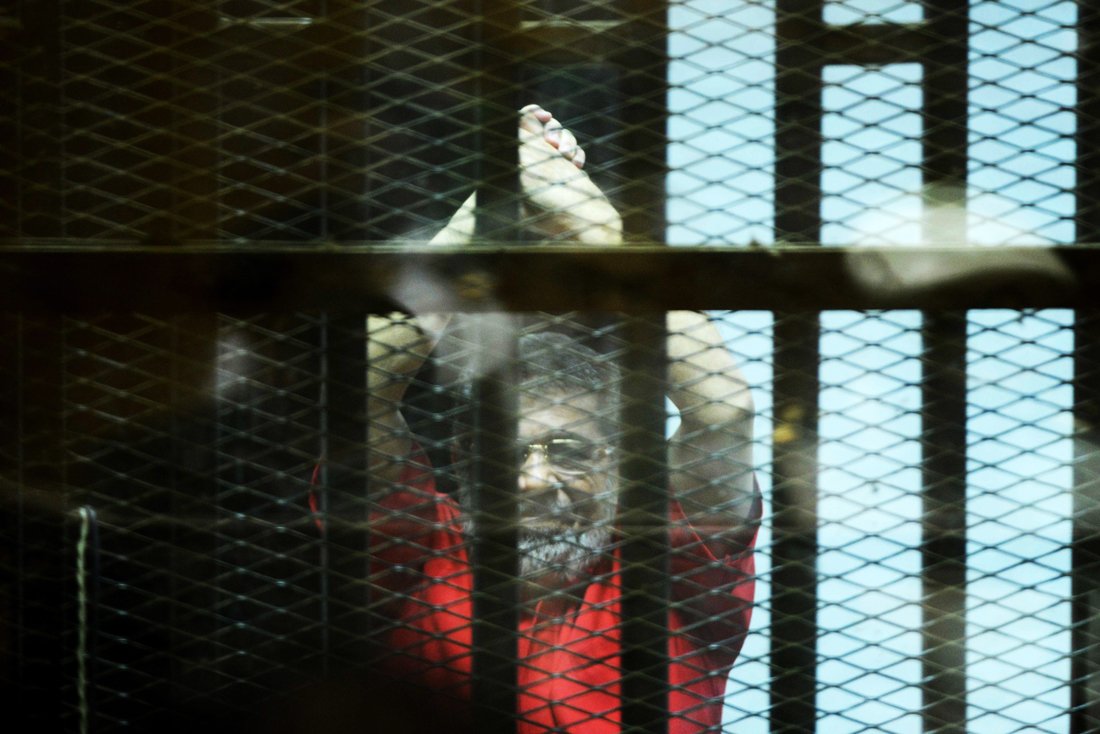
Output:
x=568 y=486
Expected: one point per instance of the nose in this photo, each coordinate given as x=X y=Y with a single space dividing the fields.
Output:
x=535 y=473
x=543 y=489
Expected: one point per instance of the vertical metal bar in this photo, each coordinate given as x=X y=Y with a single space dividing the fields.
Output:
x=1085 y=661
x=943 y=550
x=318 y=495
x=643 y=504
x=494 y=556
x=644 y=68
x=498 y=171
x=943 y=546
x=13 y=56
x=12 y=528
x=197 y=126
x=643 y=518
x=40 y=121
x=798 y=84
x=794 y=548
x=34 y=358
x=345 y=43
x=345 y=495
x=798 y=112
x=162 y=120
x=43 y=579
x=194 y=621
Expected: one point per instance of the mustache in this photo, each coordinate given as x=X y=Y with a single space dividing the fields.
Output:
x=564 y=507
x=569 y=554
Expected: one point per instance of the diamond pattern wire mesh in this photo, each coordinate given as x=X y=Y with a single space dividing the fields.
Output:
x=210 y=579
x=187 y=446
x=1022 y=94
x=225 y=578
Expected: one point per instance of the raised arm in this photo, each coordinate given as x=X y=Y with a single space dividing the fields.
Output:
x=560 y=203
x=397 y=345
x=710 y=455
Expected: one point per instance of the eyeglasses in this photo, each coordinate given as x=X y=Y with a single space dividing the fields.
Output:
x=569 y=456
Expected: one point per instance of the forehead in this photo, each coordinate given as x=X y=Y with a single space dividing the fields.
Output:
x=573 y=413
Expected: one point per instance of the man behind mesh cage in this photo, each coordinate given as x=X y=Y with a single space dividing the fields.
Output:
x=568 y=656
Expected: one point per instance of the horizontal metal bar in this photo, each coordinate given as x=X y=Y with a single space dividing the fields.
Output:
x=542 y=278
x=272 y=23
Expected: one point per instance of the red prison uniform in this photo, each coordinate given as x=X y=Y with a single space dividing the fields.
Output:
x=568 y=666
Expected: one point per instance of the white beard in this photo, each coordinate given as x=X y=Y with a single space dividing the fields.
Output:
x=561 y=557
x=554 y=558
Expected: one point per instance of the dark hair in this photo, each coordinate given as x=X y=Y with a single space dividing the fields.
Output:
x=552 y=363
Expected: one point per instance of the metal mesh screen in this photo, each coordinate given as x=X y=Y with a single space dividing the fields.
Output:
x=198 y=527
x=212 y=588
